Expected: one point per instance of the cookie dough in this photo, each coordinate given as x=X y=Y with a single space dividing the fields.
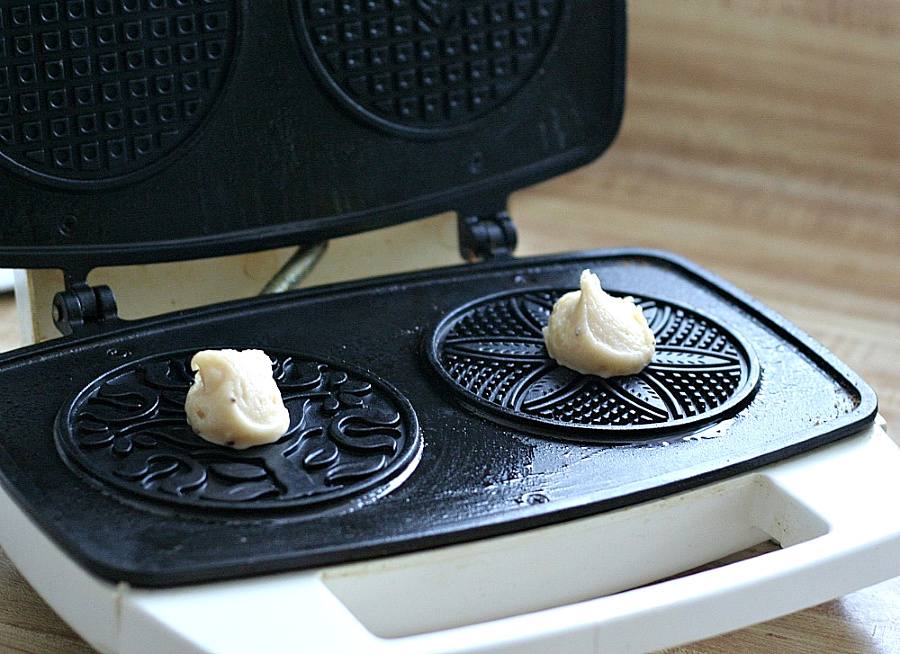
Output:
x=234 y=400
x=597 y=334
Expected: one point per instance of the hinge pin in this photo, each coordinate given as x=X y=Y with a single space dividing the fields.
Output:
x=487 y=237
x=81 y=305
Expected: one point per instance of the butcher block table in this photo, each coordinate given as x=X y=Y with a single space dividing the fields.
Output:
x=761 y=140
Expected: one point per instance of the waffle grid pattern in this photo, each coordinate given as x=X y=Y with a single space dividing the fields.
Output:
x=94 y=89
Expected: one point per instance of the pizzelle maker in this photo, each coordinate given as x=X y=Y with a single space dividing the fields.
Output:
x=444 y=485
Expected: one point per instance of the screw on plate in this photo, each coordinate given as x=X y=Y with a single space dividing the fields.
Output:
x=67 y=225
x=534 y=498
x=476 y=164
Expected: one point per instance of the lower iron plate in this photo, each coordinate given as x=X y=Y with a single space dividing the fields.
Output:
x=480 y=472
x=492 y=353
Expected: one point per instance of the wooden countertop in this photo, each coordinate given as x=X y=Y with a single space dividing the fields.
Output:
x=761 y=140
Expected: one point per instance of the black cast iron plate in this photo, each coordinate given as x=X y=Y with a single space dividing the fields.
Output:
x=491 y=352
x=349 y=433
x=476 y=479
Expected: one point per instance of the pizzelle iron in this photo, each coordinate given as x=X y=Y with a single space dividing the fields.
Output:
x=436 y=453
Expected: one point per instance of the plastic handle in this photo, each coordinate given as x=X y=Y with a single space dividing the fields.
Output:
x=563 y=588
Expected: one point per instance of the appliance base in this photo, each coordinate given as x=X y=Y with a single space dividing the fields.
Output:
x=565 y=587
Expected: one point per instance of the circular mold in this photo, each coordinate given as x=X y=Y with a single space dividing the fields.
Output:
x=492 y=355
x=94 y=90
x=350 y=433
x=426 y=65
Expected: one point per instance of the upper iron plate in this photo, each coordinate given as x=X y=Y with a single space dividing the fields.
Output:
x=137 y=131
x=94 y=90
x=426 y=65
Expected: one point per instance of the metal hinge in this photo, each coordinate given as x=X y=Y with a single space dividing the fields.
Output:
x=487 y=237
x=81 y=307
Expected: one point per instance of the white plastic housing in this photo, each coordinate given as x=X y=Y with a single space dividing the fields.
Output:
x=581 y=586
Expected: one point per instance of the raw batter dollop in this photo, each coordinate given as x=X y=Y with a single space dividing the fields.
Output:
x=597 y=334
x=234 y=400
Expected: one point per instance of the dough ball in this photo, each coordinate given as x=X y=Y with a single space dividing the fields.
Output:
x=597 y=334
x=234 y=400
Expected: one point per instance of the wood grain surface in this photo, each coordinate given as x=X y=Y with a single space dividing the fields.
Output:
x=761 y=140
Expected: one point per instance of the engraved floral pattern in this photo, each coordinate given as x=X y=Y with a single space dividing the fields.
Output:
x=349 y=433
x=493 y=353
